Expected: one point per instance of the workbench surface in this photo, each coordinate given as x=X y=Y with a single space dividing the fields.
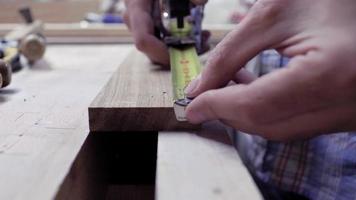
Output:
x=44 y=124
x=43 y=117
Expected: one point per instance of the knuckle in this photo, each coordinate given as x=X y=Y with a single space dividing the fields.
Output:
x=208 y=97
x=208 y=100
x=210 y=93
x=142 y=43
x=247 y=112
x=218 y=59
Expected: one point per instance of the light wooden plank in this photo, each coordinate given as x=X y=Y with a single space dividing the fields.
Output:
x=137 y=98
x=43 y=117
x=100 y=33
x=62 y=11
x=78 y=32
x=201 y=166
x=197 y=165
x=110 y=165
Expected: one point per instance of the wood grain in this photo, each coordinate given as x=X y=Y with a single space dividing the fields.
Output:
x=52 y=11
x=43 y=117
x=137 y=98
x=202 y=166
x=101 y=33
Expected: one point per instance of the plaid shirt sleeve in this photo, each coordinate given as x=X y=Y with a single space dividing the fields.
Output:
x=322 y=168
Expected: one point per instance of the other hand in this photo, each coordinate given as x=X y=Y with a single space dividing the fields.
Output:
x=138 y=19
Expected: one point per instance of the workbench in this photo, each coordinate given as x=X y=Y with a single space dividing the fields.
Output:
x=47 y=152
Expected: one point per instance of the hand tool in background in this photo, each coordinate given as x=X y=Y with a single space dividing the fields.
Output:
x=180 y=28
x=27 y=40
x=30 y=40
x=5 y=74
x=106 y=18
x=111 y=13
x=10 y=54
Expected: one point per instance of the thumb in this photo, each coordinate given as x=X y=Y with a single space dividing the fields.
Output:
x=258 y=31
x=217 y=104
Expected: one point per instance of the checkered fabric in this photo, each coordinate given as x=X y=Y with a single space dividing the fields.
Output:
x=322 y=168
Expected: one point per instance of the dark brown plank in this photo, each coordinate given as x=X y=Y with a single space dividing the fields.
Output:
x=137 y=98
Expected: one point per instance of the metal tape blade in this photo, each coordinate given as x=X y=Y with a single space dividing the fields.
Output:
x=185 y=67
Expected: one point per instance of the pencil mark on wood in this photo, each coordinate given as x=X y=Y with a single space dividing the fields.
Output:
x=60 y=128
x=20 y=116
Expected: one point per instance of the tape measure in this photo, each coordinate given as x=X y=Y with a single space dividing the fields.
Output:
x=178 y=23
x=185 y=66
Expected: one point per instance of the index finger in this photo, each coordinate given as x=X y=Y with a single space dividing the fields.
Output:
x=258 y=31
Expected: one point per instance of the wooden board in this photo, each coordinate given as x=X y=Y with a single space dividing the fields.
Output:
x=110 y=166
x=101 y=33
x=201 y=166
x=137 y=98
x=43 y=117
x=58 y=33
x=63 y=11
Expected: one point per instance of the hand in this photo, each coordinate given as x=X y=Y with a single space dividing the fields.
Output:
x=315 y=94
x=138 y=19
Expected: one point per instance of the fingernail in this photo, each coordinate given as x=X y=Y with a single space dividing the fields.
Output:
x=196 y=117
x=192 y=86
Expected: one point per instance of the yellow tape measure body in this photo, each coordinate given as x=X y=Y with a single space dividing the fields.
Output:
x=10 y=54
x=185 y=66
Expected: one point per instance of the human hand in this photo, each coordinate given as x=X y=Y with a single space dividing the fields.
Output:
x=314 y=94
x=138 y=19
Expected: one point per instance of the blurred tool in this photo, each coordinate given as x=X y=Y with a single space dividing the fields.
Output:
x=106 y=18
x=26 y=41
x=112 y=6
x=111 y=13
x=179 y=25
x=5 y=74
x=9 y=53
x=30 y=41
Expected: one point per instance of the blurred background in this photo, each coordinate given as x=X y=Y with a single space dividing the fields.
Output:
x=71 y=11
